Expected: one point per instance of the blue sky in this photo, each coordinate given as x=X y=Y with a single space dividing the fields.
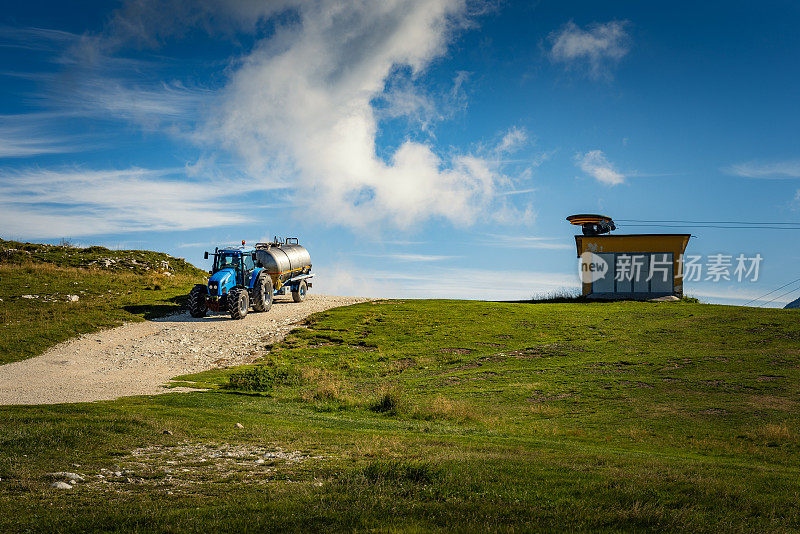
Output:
x=417 y=148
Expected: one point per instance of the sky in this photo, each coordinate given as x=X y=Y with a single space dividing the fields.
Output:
x=417 y=148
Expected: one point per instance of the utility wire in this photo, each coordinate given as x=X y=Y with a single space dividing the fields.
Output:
x=705 y=222
x=695 y=225
x=771 y=292
x=736 y=225
x=782 y=295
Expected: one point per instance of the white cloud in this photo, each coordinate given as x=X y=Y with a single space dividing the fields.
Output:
x=595 y=164
x=779 y=169
x=597 y=48
x=38 y=203
x=512 y=140
x=301 y=103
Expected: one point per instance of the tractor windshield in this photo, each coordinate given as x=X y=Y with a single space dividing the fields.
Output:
x=226 y=259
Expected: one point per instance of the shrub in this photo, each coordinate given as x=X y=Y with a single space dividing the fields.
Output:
x=95 y=249
x=263 y=378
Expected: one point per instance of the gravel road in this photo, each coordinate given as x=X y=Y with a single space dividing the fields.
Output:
x=139 y=358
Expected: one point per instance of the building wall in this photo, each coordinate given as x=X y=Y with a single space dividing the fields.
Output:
x=674 y=244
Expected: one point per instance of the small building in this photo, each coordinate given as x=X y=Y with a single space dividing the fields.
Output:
x=628 y=266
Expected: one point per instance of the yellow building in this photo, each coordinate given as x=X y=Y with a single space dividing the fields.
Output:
x=638 y=266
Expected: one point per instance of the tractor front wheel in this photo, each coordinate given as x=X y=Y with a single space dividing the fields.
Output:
x=300 y=294
x=262 y=294
x=197 y=301
x=238 y=303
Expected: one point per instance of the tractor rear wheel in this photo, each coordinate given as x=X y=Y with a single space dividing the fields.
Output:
x=197 y=301
x=262 y=294
x=300 y=294
x=238 y=303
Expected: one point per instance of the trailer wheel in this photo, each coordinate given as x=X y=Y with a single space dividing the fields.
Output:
x=262 y=294
x=197 y=301
x=238 y=303
x=300 y=294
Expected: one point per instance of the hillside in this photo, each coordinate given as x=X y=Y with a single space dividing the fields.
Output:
x=50 y=293
x=444 y=416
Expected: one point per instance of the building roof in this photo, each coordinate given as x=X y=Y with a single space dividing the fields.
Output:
x=604 y=236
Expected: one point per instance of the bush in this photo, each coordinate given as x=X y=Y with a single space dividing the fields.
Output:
x=263 y=378
x=94 y=249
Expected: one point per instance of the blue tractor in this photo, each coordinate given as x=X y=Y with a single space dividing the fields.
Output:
x=250 y=276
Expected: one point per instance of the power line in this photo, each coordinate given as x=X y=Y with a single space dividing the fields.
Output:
x=771 y=292
x=703 y=222
x=782 y=295
x=699 y=225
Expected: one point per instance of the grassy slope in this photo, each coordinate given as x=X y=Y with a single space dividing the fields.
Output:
x=113 y=287
x=457 y=416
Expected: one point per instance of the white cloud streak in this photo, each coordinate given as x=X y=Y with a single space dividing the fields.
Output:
x=595 y=164
x=38 y=203
x=527 y=242
x=32 y=135
x=774 y=170
x=597 y=48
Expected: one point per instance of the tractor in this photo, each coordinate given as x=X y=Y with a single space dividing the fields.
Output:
x=245 y=277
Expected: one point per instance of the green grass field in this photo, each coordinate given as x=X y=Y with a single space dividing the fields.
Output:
x=443 y=416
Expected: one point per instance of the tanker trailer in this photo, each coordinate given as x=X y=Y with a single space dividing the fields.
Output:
x=288 y=264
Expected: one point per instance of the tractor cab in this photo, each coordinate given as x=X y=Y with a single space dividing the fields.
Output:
x=239 y=263
x=233 y=267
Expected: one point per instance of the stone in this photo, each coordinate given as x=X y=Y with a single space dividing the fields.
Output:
x=60 y=485
x=239 y=425
x=167 y=433
x=66 y=475
x=667 y=298
x=73 y=298
x=29 y=296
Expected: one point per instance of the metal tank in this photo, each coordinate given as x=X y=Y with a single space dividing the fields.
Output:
x=283 y=260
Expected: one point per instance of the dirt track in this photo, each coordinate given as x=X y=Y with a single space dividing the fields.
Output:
x=139 y=358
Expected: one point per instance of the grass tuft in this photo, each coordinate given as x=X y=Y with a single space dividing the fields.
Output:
x=388 y=403
x=400 y=471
